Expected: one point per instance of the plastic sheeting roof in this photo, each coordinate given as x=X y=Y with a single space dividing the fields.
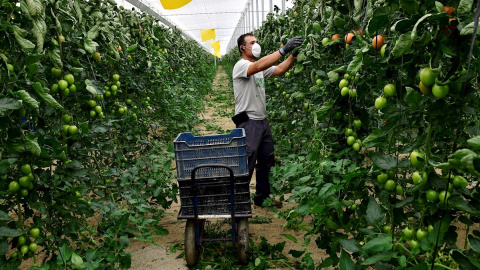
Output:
x=222 y=15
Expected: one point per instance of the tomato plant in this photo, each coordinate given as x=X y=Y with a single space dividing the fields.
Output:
x=412 y=140
x=68 y=163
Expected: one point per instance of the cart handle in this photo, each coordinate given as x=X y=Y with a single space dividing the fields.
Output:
x=232 y=196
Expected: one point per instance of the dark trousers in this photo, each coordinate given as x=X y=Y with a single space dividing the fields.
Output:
x=260 y=155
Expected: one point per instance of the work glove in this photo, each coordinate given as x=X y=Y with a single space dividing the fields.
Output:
x=296 y=52
x=291 y=44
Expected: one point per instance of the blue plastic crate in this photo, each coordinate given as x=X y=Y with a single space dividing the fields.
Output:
x=228 y=149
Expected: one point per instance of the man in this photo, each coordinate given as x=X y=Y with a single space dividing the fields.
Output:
x=250 y=107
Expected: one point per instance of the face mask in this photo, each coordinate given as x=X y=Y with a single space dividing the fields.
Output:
x=256 y=50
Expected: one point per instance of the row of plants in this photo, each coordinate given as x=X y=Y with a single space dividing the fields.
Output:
x=377 y=131
x=92 y=95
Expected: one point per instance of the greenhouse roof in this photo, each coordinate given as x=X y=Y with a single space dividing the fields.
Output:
x=229 y=18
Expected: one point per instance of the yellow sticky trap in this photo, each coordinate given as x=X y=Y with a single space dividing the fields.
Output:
x=174 y=4
x=217 y=54
x=215 y=45
x=207 y=34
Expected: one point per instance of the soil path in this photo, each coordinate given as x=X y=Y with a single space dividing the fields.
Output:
x=164 y=255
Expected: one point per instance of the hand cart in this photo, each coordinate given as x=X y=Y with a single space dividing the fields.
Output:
x=212 y=173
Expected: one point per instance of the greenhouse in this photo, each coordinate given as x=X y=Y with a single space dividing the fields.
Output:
x=248 y=134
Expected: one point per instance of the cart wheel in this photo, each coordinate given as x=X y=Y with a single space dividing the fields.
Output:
x=191 y=248
x=243 y=241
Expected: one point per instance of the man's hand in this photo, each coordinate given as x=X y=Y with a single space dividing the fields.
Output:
x=296 y=52
x=291 y=44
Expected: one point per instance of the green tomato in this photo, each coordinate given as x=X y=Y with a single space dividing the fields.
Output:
x=24 y=192
x=22 y=240
x=100 y=115
x=387 y=229
x=72 y=88
x=72 y=130
x=24 y=181
x=350 y=140
x=416 y=177
x=93 y=113
x=432 y=195
x=128 y=101
x=57 y=73
x=353 y=93
x=442 y=196
x=408 y=232
x=118 y=84
x=382 y=178
x=14 y=186
x=390 y=185
x=325 y=41
x=399 y=190
x=417 y=158
x=33 y=247
x=440 y=91
x=414 y=244
x=92 y=103
x=380 y=102
x=54 y=88
x=345 y=91
x=26 y=169
x=430 y=228
x=10 y=67
x=24 y=249
x=390 y=90
x=348 y=132
x=113 y=88
x=98 y=109
x=115 y=77
x=356 y=147
x=62 y=84
x=421 y=234
x=343 y=83
x=382 y=50
x=35 y=232
x=460 y=182
x=337 y=116
x=65 y=92
x=65 y=128
x=427 y=77
x=121 y=111
x=69 y=78
x=357 y=123
x=319 y=82
x=67 y=118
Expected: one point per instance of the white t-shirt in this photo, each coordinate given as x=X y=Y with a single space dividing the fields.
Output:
x=250 y=91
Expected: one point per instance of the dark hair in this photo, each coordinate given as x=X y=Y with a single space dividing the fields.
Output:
x=241 y=40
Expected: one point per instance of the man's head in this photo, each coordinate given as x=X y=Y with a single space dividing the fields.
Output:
x=246 y=41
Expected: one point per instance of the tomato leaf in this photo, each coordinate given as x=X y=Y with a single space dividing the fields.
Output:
x=77 y=261
x=290 y=237
x=350 y=245
x=413 y=98
x=56 y=58
x=374 y=212
x=91 y=87
x=379 y=244
x=5 y=165
x=458 y=202
x=385 y=162
x=474 y=142
x=346 y=262
x=19 y=33
x=93 y=32
x=332 y=76
x=403 y=44
x=356 y=64
x=7 y=104
x=402 y=25
x=465 y=6
x=45 y=96
x=462 y=260
x=296 y=253
x=7 y=232
x=4 y=216
x=438 y=6
x=414 y=31
x=474 y=243
x=27 y=99
x=409 y=6
x=385 y=256
x=90 y=45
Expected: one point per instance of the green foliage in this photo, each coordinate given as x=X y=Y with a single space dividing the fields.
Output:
x=334 y=184
x=105 y=176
